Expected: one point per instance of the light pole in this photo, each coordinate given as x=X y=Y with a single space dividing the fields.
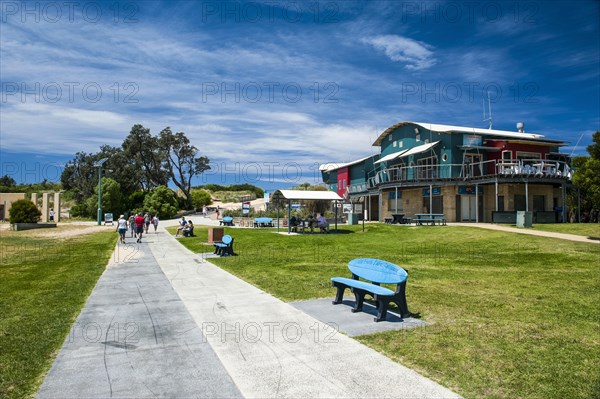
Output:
x=99 y=166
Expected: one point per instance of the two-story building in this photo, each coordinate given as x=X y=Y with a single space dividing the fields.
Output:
x=468 y=174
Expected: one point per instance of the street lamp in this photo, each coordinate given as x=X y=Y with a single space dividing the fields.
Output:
x=99 y=166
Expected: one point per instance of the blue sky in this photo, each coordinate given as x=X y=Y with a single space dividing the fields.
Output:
x=270 y=90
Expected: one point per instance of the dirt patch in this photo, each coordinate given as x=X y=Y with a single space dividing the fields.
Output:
x=63 y=230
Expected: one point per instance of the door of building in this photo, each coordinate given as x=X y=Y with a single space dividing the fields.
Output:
x=468 y=206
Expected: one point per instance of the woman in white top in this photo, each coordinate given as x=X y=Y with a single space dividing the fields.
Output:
x=155 y=222
x=122 y=228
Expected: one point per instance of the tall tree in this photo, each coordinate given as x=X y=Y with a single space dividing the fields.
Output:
x=182 y=161
x=143 y=150
x=80 y=176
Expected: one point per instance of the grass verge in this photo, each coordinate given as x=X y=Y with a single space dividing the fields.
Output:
x=511 y=316
x=591 y=230
x=44 y=283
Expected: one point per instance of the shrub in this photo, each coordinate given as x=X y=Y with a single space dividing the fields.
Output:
x=201 y=198
x=24 y=211
x=161 y=201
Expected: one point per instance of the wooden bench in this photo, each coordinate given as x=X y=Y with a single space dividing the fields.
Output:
x=225 y=247
x=377 y=272
x=226 y=221
x=388 y=220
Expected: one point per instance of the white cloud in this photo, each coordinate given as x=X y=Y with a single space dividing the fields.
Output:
x=415 y=55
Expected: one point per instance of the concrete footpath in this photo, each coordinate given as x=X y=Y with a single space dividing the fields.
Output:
x=186 y=328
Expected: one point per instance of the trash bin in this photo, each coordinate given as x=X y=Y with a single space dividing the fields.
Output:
x=215 y=234
x=524 y=219
x=353 y=218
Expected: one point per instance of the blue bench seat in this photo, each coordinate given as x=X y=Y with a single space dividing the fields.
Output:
x=377 y=272
x=225 y=247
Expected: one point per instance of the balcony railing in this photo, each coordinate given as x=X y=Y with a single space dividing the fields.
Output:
x=473 y=171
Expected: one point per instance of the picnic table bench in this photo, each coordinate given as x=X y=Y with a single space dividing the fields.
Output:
x=226 y=221
x=377 y=272
x=430 y=219
x=263 y=222
x=225 y=247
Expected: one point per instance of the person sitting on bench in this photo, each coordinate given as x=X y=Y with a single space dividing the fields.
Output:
x=322 y=223
x=294 y=223
x=188 y=231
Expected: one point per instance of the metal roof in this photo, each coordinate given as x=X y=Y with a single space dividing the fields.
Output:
x=306 y=195
x=389 y=157
x=328 y=167
x=462 y=129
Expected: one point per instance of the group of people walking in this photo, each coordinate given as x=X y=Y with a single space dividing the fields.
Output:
x=137 y=224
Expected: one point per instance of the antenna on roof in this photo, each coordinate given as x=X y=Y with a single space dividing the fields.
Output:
x=489 y=110
x=576 y=144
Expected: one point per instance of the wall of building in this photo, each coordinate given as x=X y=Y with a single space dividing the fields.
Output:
x=6 y=199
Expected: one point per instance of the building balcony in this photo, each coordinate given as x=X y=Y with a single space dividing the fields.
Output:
x=480 y=171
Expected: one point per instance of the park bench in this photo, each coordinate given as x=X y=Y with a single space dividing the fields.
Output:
x=188 y=232
x=263 y=222
x=226 y=221
x=225 y=247
x=377 y=272
x=430 y=219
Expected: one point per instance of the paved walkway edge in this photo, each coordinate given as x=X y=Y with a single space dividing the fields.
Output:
x=271 y=349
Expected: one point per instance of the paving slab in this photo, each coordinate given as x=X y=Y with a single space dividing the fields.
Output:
x=135 y=339
x=272 y=349
x=341 y=317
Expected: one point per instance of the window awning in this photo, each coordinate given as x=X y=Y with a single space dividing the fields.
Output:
x=419 y=149
x=389 y=157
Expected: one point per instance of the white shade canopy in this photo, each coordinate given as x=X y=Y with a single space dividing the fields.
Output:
x=390 y=157
x=306 y=195
x=419 y=149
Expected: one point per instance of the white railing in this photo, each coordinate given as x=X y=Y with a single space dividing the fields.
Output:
x=478 y=170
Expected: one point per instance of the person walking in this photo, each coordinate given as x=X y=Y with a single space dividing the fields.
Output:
x=155 y=222
x=132 y=224
x=147 y=220
x=122 y=228
x=139 y=226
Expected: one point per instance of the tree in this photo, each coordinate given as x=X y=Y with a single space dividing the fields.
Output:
x=111 y=199
x=587 y=176
x=144 y=151
x=80 y=176
x=201 y=198
x=182 y=161
x=161 y=201
x=7 y=181
x=24 y=211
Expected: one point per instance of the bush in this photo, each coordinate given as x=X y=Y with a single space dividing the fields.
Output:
x=162 y=201
x=201 y=198
x=24 y=211
x=80 y=210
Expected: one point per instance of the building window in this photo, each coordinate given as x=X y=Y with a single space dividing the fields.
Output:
x=444 y=157
x=401 y=144
x=520 y=203
x=539 y=203
x=394 y=144
x=507 y=156
x=390 y=137
x=426 y=141
x=418 y=138
x=528 y=155
x=501 y=203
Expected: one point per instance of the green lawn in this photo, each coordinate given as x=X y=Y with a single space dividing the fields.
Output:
x=44 y=283
x=581 y=229
x=512 y=316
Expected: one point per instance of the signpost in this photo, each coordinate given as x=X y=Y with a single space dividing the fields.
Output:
x=245 y=208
